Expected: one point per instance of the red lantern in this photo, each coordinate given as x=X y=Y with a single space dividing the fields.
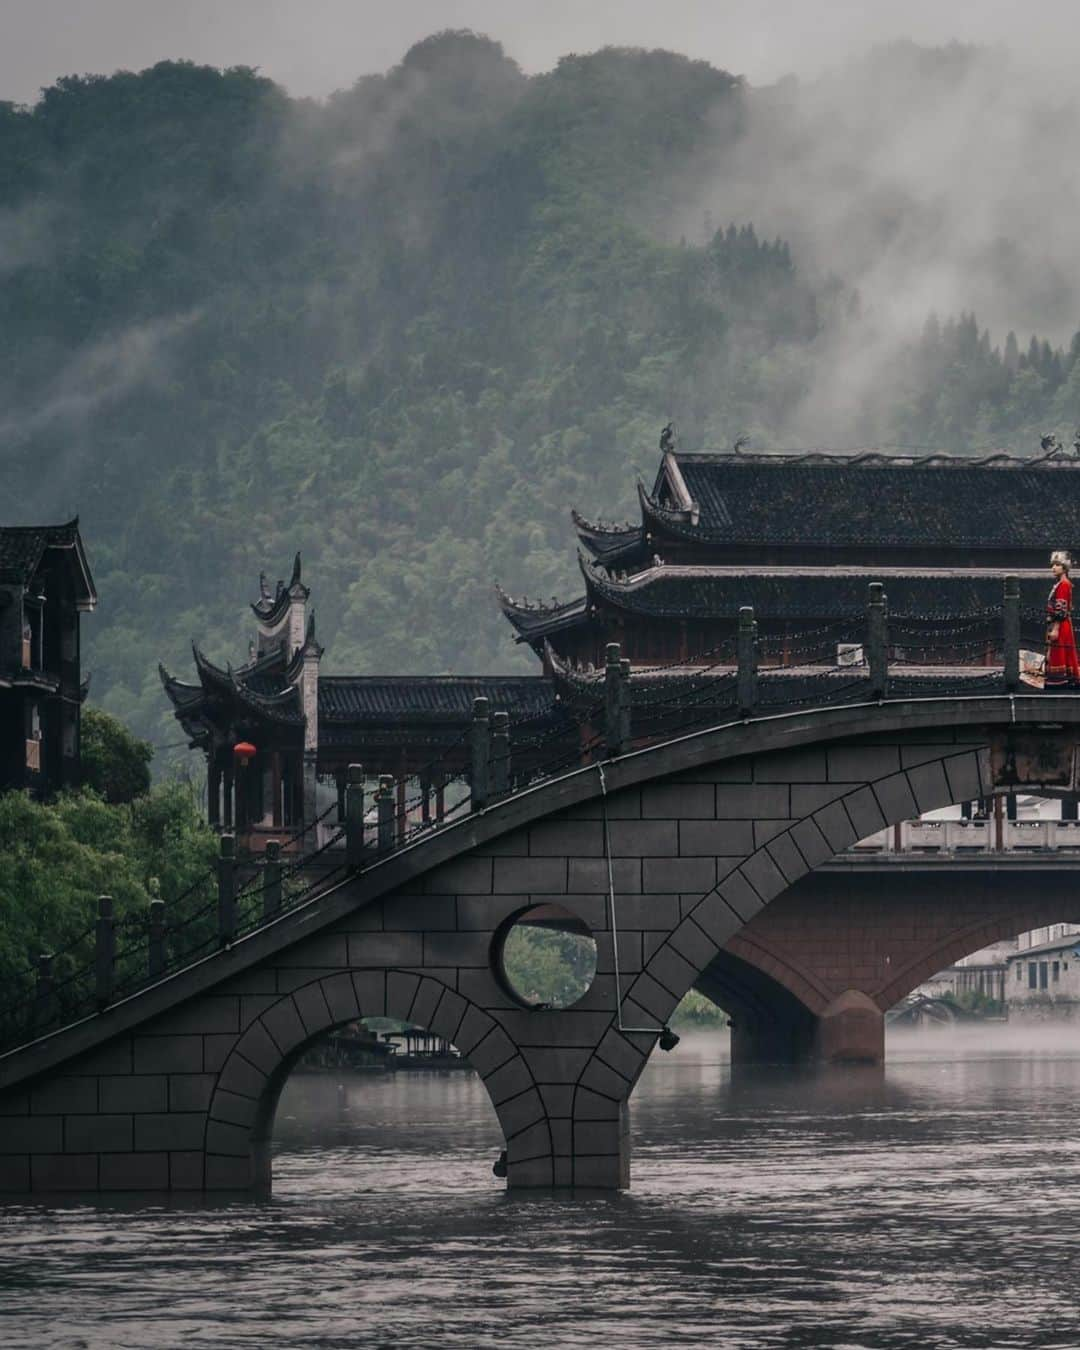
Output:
x=243 y=752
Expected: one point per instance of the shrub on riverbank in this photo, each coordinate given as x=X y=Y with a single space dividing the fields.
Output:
x=696 y=1010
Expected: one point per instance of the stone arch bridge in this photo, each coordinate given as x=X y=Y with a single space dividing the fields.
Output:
x=673 y=856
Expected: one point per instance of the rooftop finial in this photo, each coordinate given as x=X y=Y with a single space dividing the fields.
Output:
x=741 y=442
x=294 y=580
x=667 y=439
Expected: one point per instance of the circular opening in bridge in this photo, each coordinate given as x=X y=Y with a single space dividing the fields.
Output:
x=546 y=957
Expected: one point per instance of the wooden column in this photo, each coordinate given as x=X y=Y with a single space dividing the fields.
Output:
x=275 y=787
x=400 y=804
x=440 y=798
x=425 y=800
x=213 y=788
x=746 y=656
x=227 y=813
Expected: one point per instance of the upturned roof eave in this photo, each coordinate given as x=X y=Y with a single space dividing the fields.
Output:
x=604 y=540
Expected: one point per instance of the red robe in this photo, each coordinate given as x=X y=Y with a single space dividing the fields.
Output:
x=1062 y=665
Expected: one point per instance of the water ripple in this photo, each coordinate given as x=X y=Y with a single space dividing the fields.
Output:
x=931 y=1208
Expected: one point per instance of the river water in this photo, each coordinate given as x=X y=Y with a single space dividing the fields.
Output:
x=933 y=1207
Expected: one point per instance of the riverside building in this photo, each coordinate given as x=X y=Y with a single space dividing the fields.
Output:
x=799 y=538
x=45 y=586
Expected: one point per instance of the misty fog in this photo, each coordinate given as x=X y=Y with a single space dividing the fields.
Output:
x=930 y=182
x=406 y=328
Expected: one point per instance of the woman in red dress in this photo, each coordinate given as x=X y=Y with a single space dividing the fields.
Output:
x=1062 y=665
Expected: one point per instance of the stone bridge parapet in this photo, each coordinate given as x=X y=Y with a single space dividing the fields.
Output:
x=175 y=1088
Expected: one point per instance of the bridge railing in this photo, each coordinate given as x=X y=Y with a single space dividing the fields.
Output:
x=960 y=837
x=611 y=713
x=116 y=955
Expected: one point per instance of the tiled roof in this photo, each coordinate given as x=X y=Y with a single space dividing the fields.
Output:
x=999 y=501
x=1064 y=943
x=608 y=542
x=538 y=619
x=378 y=698
x=23 y=546
x=704 y=592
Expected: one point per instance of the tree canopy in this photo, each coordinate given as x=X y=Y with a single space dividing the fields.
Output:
x=405 y=331
x=115 y=763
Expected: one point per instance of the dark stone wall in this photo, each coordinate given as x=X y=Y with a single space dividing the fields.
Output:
x=185 y=1100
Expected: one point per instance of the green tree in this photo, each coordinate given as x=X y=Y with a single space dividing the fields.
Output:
x=115 y=763
x=545 y=965
x=56 y=858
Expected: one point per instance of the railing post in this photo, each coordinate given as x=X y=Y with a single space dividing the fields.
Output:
x=480 y=775
x=104 y=951
x=625 y=724
x=500 y=755
x=877 y=641
x=746 y=659
x=1010 y=618
x=156 y=942
x=44 y=1007
x=613 y=702
x=227 y=890
x=384 y=802
x=271 y=891
x=354 y=815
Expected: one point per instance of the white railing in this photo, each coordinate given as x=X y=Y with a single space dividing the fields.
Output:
x=973 y=836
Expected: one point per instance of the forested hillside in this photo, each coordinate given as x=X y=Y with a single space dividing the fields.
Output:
x=406 y=330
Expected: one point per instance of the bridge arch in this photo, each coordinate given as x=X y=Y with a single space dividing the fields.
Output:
x=769 y=1024
x=240 y=1115
x=702 y=835
x=801 y=808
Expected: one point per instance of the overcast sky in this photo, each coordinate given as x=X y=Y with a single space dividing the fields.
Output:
x=316 y=46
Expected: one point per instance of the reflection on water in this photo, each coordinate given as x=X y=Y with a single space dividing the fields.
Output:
x=930 y=1206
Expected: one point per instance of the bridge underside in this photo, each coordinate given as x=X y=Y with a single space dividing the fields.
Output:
x=811 y=976
x=174 y=1088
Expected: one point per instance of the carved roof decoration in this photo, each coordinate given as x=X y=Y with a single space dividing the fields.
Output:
x=608 y=542
x=258 y=687
x=271 y=608
x=531 y=618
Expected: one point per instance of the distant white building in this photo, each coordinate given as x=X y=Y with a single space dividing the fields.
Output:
x=1044 y=980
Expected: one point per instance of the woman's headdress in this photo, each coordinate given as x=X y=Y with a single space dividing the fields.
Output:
x=1061 y=556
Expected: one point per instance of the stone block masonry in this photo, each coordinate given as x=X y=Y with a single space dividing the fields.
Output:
x=706 y=841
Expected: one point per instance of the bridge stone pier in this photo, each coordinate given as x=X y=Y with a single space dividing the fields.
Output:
x=811 y=976
x=175 y=1087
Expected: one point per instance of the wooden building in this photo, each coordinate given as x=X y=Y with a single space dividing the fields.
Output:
x=45 y=584
x=279 y=735
x=798 y=537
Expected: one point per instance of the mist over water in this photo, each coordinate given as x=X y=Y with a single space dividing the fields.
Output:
x=930 y=1205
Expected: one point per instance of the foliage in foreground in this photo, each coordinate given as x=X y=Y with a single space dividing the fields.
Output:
x=57 y=858
x=115 y=763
